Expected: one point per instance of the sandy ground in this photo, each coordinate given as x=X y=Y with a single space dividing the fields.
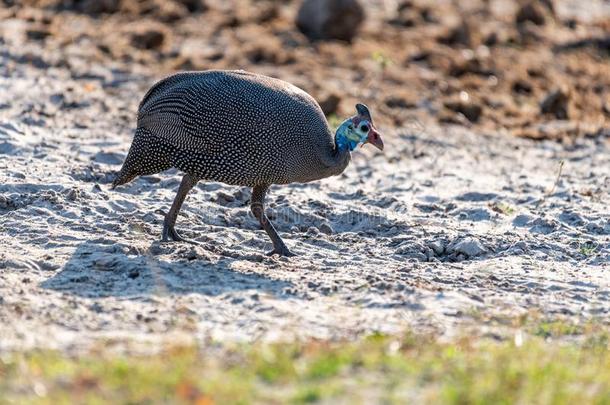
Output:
x=451 y=230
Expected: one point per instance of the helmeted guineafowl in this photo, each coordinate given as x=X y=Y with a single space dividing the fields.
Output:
x=243 y=129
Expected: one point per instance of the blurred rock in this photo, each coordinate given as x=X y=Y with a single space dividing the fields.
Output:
x=465 y=106
x=268 y=52
x=330 y=103
x=601 y=44
x=170 y=11
x=543 y=225
x=521 y=86
x=193 y=6
x=148 y=38
x=458 y=35
x=165 y=10
x=330 y=19
x=267 y=12
x=556 y=103
x=92 y=7
x=491 y=39
x=326 y=228
x=464 y=64
x=469 y=247
x=535 y=12
x=403 y=100
x=37 y=33
x=406 y=15
x=437 y=247
x=411 y=15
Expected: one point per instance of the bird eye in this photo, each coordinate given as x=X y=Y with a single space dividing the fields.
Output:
x=364 y=128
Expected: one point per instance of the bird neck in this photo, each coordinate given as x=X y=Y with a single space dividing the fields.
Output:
x=345 y=138
x=338 y=158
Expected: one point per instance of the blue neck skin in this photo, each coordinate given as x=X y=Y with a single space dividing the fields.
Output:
x=345 y=138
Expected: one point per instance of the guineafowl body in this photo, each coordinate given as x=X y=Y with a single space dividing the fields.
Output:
x=242 y=129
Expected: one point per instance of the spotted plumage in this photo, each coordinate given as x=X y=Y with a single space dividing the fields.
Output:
x=242 y=129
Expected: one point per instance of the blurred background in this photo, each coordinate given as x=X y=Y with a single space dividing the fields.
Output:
x=531 y=68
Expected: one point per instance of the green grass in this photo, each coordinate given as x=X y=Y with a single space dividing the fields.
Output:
x=334 y=121
x=502 y=208
x=381 y=59
x=378 y=369
x=587 y=249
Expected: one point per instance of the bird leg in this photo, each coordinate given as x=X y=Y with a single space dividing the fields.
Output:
x=169 y=233
x=257 y=206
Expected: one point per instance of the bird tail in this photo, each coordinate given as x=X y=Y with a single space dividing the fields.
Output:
x=143 y=159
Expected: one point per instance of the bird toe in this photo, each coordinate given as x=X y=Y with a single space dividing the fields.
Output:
x=281 y=252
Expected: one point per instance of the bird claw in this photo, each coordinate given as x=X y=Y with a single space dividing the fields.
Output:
x=282 y=252
x=171 y=235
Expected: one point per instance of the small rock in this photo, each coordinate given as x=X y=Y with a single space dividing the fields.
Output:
x=571 y=218
x=429 y=254
x=97 y=308
x=223 y=198
x=475 y=214
x=109 y=158
x=468 y=64
x=37 y=33
x=476 y=196
x=542 y=225
x=72 y=194
x=191 y=254
x=556 y=103
x=312 y=231
x=150 y=38
x=469 y=109
x=57 y=99
x=156 y=249
x=535 y=12
x=416 y=256
x=105 y=263
x=469 y=247
x=133 y=274
x=326 y=228
x=193 y=6
x=410 y=15
x=401 y=101
x=522 y=220
x=491 y=39
x=267 y=13
x=437 y=246
x=330 y=19
x=5 y=202
x=95 y=7
x=598 y=227
x=458 y=35
x=521 y=86
x=171 y=11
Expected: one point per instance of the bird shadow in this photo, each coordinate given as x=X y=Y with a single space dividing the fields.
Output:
x=99 y=270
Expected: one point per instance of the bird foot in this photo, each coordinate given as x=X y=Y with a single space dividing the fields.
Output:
x=281 y=251
x=171 y=235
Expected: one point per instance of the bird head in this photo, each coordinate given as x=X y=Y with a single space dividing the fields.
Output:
x=358 y=130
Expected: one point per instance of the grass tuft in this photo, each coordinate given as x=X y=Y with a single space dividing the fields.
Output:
x=412 y=369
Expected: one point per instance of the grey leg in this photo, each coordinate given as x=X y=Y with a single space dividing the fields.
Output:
x=258 y=209
x=169 y=233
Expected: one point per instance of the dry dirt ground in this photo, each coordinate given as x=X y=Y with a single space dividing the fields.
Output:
x=461 y=225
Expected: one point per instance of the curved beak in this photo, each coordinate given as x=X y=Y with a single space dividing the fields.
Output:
x=374 y=138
